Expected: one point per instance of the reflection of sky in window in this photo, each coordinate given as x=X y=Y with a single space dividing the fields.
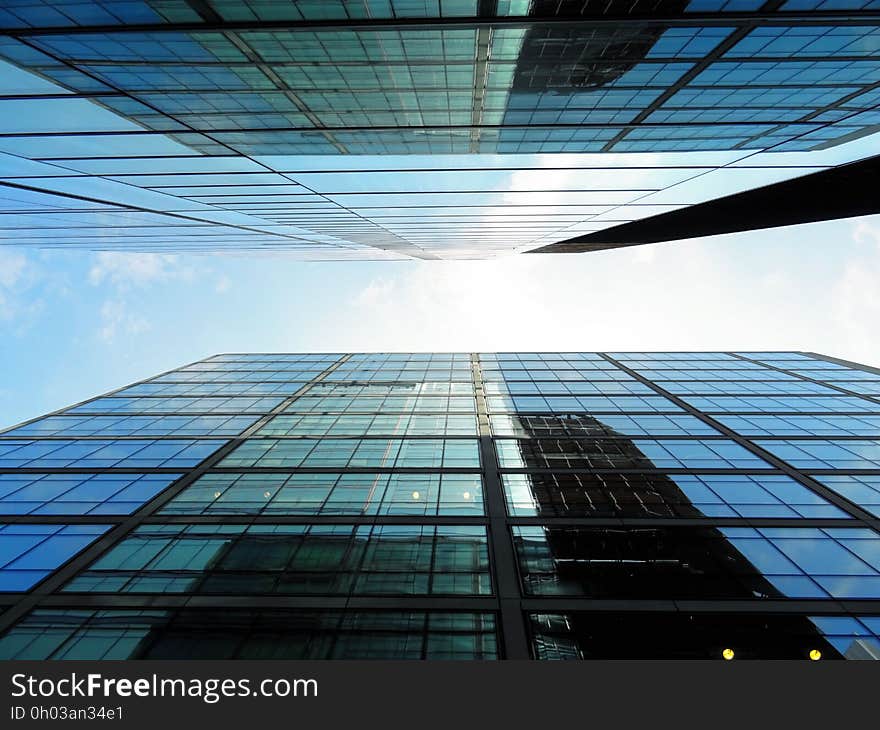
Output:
x=28 y=553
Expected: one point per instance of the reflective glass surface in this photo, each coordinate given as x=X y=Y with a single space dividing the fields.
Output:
x=699 y=562
x=391 y=505
x=29 y=553
x=100 y=453
x=581 y=635
x=331 y=494
x=236 y=634
x=863 y=489
x=393 y=129
x=378 y=452
x=625 y=454
x=79 y=494
x=662 y=495
x=293 y=559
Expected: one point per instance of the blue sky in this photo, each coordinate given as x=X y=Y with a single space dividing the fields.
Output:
x=73 y=325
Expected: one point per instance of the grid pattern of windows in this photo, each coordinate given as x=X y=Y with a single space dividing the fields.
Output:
x=628 y=454
x=366 y=453
x=391 y=504
x=231 y=634
x=331 y=494
x=28 y=553
x=663 y=495
x=101 y=454
x=79 y=494
x=687 y=562
x=582 y=635
x=371 y=425
x=396 y=129
x=136 y=426
x=576 y=424
x=293 y=559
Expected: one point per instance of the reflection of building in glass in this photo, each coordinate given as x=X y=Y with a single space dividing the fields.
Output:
x=464 y=506
x=408 y=130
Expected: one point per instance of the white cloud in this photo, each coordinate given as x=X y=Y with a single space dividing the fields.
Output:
x=13 y=266
x=117 y=320
x=763 y=290
x=125 y=270
x=857 y=292
x=223 y=284
x=378 y=292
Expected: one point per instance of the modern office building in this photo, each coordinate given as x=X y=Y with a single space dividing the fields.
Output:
x=709 y=505
x=395 y=129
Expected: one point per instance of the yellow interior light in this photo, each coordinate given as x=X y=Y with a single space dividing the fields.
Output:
x=728 y=654
x=815 y=655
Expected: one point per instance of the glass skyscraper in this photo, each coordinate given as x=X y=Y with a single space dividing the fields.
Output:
x=395 y=129
x=573 y=505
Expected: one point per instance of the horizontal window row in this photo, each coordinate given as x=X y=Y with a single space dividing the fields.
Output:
x=490 y=357
x=812 y=364
x=74 y=426
x=341 y=453
x=29 y=553
x=699 y=563
x=680 y=356
x=297 y=634
x=178 y=405
x=390 y=376
x=863 y=490
x=826 y=454
x=207 y=389
x=79 y=494
x=379 y=404
x=663 y=495
x=331 y=494
x=462 y=358
x=862 y=387
x=463 y=363
x=369 y=425
x=837 y=374
x=720 y=636
x=704 y=364
x=231 y=377
x=747 y=387
x=239 y=634
x=636 y=454
x=644 y=563
x=780 y=404
x=576 y=387
x=105 y=454
x=802 y=425
x=304 y=370
x=510 y=367
x=293 y=559
x=578 y=425
x=688 y=373
x=591 y=404
x=500 y=376
x=294 y=357
x=409 y=389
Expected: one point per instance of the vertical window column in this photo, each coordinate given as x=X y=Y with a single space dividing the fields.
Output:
x=513 y=632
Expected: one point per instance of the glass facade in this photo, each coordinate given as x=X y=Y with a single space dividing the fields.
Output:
x=393 y=129
x=451 y=506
